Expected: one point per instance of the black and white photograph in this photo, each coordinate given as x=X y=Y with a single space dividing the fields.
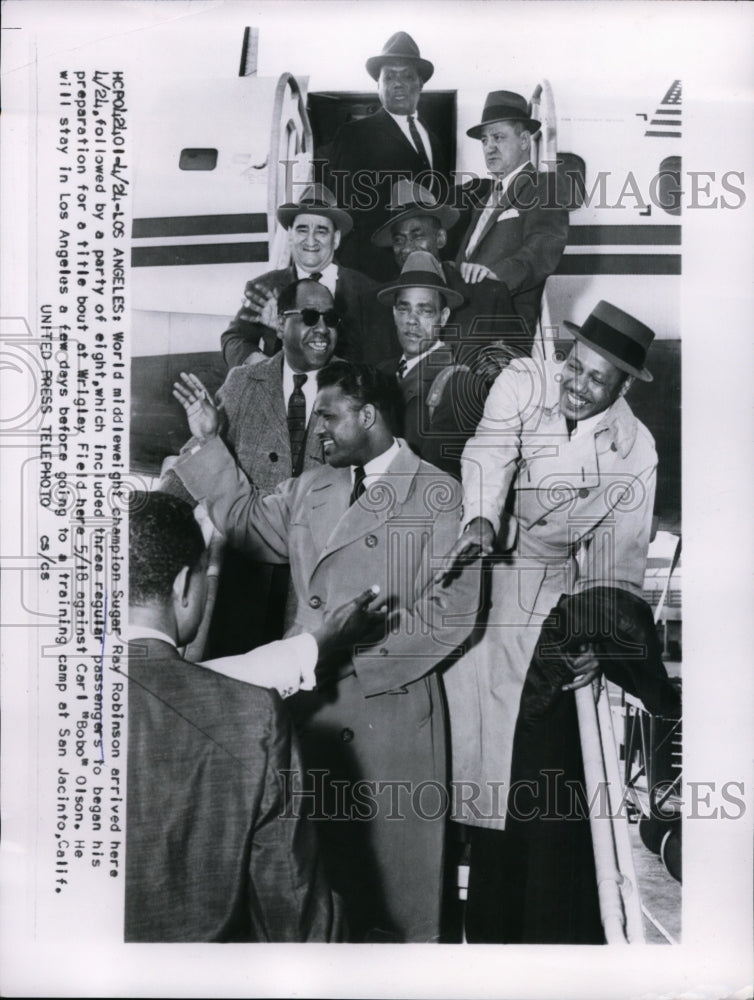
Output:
x=362 y=366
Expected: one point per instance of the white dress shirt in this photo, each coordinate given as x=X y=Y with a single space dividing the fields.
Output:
x=329 y=275
x=286 y=665
x=413 y=362
x=402 y=122
x=499 y=186
x=377 y=466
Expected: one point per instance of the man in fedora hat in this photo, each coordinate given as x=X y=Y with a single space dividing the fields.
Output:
x=315 y=227
x=442 y=400
x=516 y=232
x=369 y=154
x=559 y=485
x=483 y=326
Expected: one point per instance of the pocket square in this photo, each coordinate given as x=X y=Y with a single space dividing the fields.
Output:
x=509 y=213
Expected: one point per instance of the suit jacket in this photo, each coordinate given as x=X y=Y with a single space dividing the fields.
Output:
x=256 y=420
x=384 y=721
x=438 y=436
x=366 y=158
x=487 y=317
x=365 y=333
x=522 y=242
x=250 y=608
x=209 y=854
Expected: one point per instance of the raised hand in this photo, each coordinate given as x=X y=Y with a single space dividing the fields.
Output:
x=260 y=305
x=203 y=415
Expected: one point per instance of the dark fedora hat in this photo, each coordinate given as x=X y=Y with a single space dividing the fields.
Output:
x=421 y=270
x=620 y=338
x=316 y=200
x=505 y=106
x=400 y=46
x=408 y=199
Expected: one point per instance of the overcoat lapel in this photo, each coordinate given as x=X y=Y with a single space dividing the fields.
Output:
x=335 y=524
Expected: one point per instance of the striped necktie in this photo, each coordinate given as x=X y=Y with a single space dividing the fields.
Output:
x=297 y=422
x=402 y=368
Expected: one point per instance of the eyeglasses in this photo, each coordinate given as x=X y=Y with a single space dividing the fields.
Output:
x=311 y=316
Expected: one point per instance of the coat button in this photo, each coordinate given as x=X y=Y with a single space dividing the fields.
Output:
x=371 y=541
x=583 y=492
x=613 y=446
x=273 y=456
x=542 y=520
x=346 y=735
x=383 y=651
x=315 y=602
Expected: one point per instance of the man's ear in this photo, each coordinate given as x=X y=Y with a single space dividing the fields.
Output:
x=525 y=138
x=336 y=239
x=444 y=316
x=629 y=381
x=368 y=415
x=442 y=238
x=181 y=586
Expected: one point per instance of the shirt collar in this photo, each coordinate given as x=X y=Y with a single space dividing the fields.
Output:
x=402 y=120
x=378 y=466
x=413 y=362
x=135 y=632
x=505 y=181
x=329 y=275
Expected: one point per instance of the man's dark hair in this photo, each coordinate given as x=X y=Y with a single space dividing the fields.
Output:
x=365 y=384
x=289 y=294
x=163 y=537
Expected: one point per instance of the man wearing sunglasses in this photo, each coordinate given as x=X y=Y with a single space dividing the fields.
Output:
x=315 y=227
x=263 y=414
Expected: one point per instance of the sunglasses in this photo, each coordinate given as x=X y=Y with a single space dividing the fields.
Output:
x=311 y=316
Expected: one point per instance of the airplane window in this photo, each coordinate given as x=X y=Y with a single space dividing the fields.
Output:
x=198 y=159
x=669 y=185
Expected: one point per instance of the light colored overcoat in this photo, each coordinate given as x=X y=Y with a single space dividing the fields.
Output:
x=385 y=721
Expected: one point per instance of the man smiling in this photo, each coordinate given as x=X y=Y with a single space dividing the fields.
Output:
x=560 y=480
x=315 y=227
x=375 y=511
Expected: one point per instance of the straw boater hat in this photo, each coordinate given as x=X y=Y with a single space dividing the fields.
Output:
x=620 y=338
x=407 y=200
x=400 y=46
x=316 y=200
x=421 y=270
x=505 y=106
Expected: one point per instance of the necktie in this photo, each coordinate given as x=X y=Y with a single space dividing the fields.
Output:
x=491 y=207
x=315 y=276
x=297 y=422
x=358 y=484
x=421 y=149
x=402 y=368
x=570 y=426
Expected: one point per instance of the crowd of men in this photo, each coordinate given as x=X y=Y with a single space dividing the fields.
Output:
x=406 y=490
